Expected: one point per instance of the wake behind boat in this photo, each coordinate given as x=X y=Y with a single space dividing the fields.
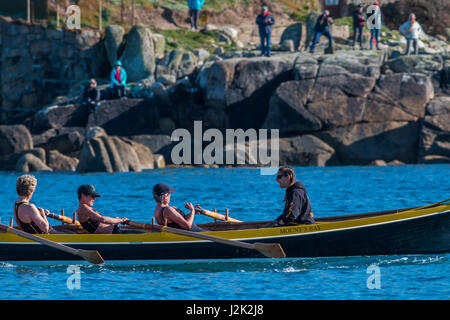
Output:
x=420 y=230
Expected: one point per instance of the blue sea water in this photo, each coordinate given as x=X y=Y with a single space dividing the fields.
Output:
x=250 y=197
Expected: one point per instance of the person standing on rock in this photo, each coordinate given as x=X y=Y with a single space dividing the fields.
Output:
x=265 y=21
x=411 y=29
x=297 y=209
x=323 y=28
x=194 y=12
x=118 y=80
x=374 y=22
x=358 y=26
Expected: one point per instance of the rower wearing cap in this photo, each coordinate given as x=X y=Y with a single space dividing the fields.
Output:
x=169 y=216
x=91 y=220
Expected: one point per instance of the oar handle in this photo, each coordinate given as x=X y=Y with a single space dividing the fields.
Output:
x=214 y=215
x=62 y=218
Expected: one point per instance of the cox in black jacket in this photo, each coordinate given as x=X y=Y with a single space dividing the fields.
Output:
x=298 y=207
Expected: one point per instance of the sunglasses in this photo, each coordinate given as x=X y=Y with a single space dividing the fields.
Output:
x=279 y=176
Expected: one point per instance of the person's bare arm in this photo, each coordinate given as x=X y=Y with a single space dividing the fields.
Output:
x=37 y=216
x=174 y=216
x=94 y=215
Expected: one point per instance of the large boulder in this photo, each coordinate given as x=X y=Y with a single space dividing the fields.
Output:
x=434 y=144
x=360 y=144
x=114 y=35
x=9 y=162
x=68 y=141
x=144 y=154
x=158 y=144
x=231 y=81
x=306 y=150
x=60 y=162
x=294 y=34
x=159 y=45
x=30 y=163
x=427 y=64
x=364 y=63
x=125 y=117
x=410 y=91
x=108 y=154
x=335 y=81
x=178 y=63
x=287 y=110
x=138 y=57
x=43 y=137
x=14 y=138
x=430 y=65
x=243 y=87
x=56 y=117
x=305 y=68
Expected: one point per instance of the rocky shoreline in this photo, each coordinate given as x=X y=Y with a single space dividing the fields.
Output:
x=348 y=108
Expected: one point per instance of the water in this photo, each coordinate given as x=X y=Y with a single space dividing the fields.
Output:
x=249 y=196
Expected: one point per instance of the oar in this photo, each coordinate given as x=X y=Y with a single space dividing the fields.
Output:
x=90 y=255
x=62 y=218
x=214 y=215
x=271 y=250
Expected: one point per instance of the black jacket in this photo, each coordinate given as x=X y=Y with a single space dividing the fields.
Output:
x=91 y=95
x=298 y=207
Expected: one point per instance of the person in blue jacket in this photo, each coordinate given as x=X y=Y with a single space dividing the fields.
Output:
x=265 y=21
x=118 y=80
x=322 y=27
x=194 y=11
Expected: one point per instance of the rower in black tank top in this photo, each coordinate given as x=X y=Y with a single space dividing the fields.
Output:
x=29 y=227
x=90 y=225
x=194 y=227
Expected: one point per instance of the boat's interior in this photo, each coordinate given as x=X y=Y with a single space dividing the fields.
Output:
x=224 y=225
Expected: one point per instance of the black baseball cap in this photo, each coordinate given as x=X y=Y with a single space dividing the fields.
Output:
x=161 y=189
x=87 y=190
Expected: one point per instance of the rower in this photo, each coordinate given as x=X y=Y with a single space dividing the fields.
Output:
x=172 y=216
x=297 y=209
x=29 y=218
x=91 y=220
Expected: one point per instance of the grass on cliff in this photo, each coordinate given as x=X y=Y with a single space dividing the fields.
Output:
x=187 y=39
x=296 y=9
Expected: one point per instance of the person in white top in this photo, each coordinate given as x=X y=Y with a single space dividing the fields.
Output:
x=411 y=29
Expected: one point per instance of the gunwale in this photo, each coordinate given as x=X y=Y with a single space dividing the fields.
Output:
x=253 y=234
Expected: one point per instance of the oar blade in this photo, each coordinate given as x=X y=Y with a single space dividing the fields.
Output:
x=270 y=250
x=92 y=256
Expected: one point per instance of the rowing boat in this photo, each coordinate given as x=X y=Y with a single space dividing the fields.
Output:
x=420 y=230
